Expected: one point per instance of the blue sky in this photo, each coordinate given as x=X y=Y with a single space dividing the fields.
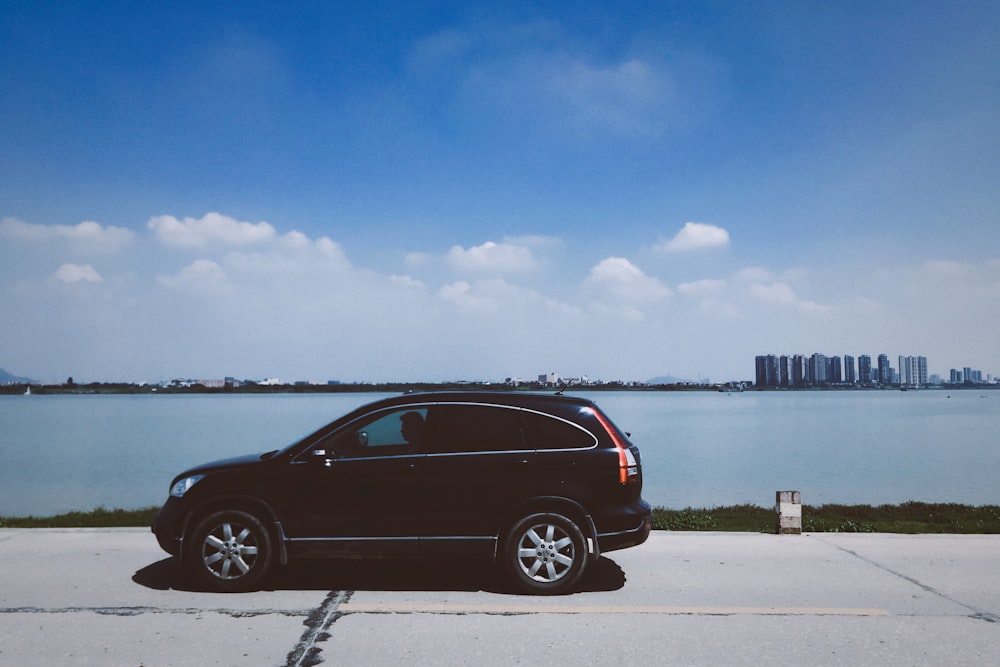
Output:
x=437 y=191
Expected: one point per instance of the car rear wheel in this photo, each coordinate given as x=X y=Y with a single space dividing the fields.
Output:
x=230 y=551
x=545 y=554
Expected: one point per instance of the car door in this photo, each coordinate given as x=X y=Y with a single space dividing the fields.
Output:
x=477 y=466
x=353 y=491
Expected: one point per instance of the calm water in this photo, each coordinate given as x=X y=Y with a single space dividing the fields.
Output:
x=699 y=449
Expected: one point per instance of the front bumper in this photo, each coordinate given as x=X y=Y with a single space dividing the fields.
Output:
x=168 y=526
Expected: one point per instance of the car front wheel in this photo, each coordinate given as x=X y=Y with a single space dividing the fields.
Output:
x=230 y=551
x=545 y=554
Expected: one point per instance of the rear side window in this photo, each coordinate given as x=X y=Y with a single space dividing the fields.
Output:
x=547 y=432
x=474 y=428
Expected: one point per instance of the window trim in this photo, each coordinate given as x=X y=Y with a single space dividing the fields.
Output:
x=428 y=405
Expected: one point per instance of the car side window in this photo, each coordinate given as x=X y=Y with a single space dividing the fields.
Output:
x=475 y=428
x=545 y=432
x=388 y=433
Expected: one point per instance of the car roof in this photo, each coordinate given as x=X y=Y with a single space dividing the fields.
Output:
x=514 y=398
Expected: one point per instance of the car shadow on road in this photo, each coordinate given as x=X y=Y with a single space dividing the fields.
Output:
x=166 y=574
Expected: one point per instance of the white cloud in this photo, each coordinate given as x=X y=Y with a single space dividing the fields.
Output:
x=704 y=287
x=621 y=280
x=756 y=284
x=782 y=294
x=492 y=257
x=945 y=267
x=417 y=260
x=75 y=273
x=695 y=236
x=622 y=97
x=484 y=296
x=477 y=323
x=755 y=274
x=527 y=73
x=439 y=52
x=87 y=235
x=533 y=240
x=292 y=254
x=407 y=281
x=499 y=297
x=201 y=276
x=192 y=232
x=779 y=293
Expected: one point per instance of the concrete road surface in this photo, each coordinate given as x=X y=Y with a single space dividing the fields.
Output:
x=111 y=597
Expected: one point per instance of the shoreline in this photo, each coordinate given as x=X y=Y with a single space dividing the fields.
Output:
x=911 y=517
x=244 y=388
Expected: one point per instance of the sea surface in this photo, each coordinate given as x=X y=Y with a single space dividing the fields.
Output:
x=699 y=449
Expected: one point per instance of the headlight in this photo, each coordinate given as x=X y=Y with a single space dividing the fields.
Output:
x=182 y=486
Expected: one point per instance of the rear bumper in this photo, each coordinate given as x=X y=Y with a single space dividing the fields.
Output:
x=629 y=526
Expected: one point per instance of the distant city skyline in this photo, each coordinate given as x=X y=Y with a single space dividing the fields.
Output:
x=799 y=370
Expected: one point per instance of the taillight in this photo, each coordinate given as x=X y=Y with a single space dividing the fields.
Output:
x=628 y=467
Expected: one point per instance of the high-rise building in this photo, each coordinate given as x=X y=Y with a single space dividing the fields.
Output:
x=818 y=367
x=785 y=367
x=798 y=374
x=768 y=370
x=833 y=372
x=849 y=374
x=912 y=371
x=865 y=369
x=760 y=370
x=884 y=370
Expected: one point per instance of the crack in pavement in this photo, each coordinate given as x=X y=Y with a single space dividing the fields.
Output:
x=138 y=611
x=305 y=653
x=453 y=609
x=977 y=613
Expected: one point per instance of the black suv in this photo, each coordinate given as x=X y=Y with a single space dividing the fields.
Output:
x=539 y=483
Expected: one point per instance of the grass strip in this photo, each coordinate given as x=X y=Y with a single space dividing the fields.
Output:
x=907 y=518
x=98 y=518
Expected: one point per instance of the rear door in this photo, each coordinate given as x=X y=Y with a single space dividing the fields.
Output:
x=478 y=465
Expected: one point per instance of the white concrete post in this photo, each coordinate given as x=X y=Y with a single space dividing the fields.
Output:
x=788 y=504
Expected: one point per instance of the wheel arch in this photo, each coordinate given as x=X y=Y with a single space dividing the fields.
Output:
x=242 y=503
x=555 y=505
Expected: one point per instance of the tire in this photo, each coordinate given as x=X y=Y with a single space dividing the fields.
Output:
x=545 y=554
x=229 y=552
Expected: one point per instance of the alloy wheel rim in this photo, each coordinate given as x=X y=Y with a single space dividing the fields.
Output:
x=545 y=552
x=229 y=550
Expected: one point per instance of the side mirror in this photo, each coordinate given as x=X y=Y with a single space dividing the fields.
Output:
x=362 y=438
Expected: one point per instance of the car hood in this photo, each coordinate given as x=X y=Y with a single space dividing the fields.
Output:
x=225 y=464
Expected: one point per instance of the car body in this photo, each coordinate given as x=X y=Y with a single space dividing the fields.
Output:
x=539 y=483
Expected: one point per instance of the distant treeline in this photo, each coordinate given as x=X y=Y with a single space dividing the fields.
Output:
x=402 y=387
x=383 y=387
